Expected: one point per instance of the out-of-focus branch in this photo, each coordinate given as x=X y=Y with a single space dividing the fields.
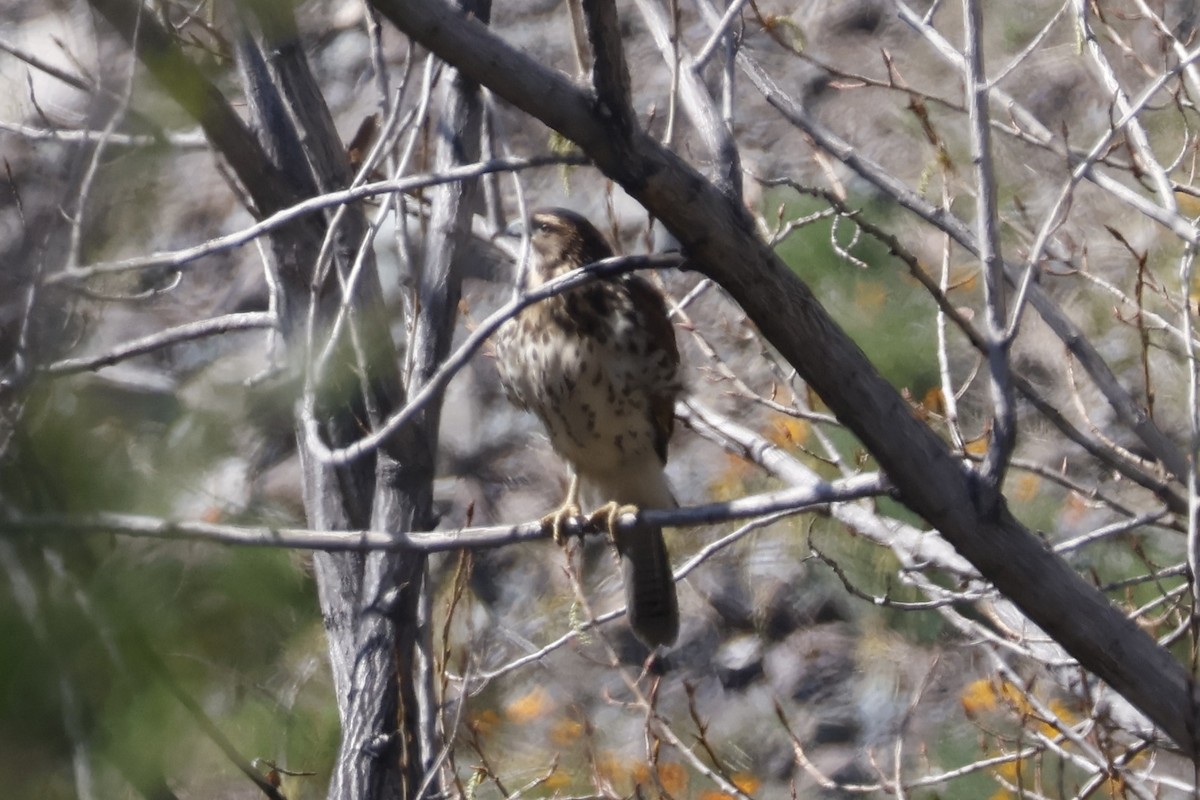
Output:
x=183 y=141
x=72 y=80
x=698 y=104
x=247 y=321
x=200 y=97
x=610 y=73
x=438 y=291
x=1137 y=134
x=719 y=32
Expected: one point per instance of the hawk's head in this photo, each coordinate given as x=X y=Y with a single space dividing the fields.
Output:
x=562 y=241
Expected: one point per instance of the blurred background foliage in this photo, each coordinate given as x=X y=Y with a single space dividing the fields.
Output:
x=126 y=627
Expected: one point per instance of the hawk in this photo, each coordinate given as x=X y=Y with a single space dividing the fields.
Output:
x=599 y=367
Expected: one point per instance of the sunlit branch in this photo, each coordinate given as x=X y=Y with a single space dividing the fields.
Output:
x=1119 y=398
x=178 y=258
x=791 y=501
x=183 y=141
x=250 y=320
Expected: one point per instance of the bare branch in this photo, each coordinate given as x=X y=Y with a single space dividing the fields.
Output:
x=1127 y=409
x=303 y=208
x=1004 y=419
x=203 y=101
x=191 y=331
x=784 y=502
x=699 y=105
x=183 y=141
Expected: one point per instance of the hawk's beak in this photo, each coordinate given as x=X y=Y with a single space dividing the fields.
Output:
x=516 y=229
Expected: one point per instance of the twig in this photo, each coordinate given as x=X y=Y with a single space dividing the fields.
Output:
x=183 y=141
x=719 y=32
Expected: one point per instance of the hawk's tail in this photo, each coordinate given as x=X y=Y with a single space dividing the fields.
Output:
x=649 y=585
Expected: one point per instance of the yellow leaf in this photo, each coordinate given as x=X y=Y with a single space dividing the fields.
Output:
x=674 y=777
x=1027 y=488
x=1009 y=770
x=566 y=731
x=977 y=447
x=1189 y=204
x=789 y=432
x=558 y=779
x=870 y=296
x=934 y=402
x=1062 y=714
x=730 y=481
x=978 y=696
x=613 y=769
x=1061 y=711
x=1075 y=508
x=533 y=705
x=746 y=782
x=964 y=277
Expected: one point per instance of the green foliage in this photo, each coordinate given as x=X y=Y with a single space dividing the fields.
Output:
x=883 y=309
x=125 y=628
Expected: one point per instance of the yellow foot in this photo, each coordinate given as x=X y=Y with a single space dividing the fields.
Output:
x=557 y=520
x=608 y=514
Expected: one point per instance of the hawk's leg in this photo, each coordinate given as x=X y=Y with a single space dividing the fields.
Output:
x=569 y=509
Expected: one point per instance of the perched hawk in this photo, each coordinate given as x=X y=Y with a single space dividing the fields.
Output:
x=600 y=368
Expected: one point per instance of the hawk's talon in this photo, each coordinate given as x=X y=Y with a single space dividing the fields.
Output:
x=606 y=516
x=558 y=519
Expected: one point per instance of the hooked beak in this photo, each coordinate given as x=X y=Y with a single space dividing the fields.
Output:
x=515 y=229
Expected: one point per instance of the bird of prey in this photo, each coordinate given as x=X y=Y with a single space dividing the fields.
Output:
x=599 y=366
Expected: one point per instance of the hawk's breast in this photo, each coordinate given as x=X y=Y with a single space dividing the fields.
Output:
x=588 y=364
